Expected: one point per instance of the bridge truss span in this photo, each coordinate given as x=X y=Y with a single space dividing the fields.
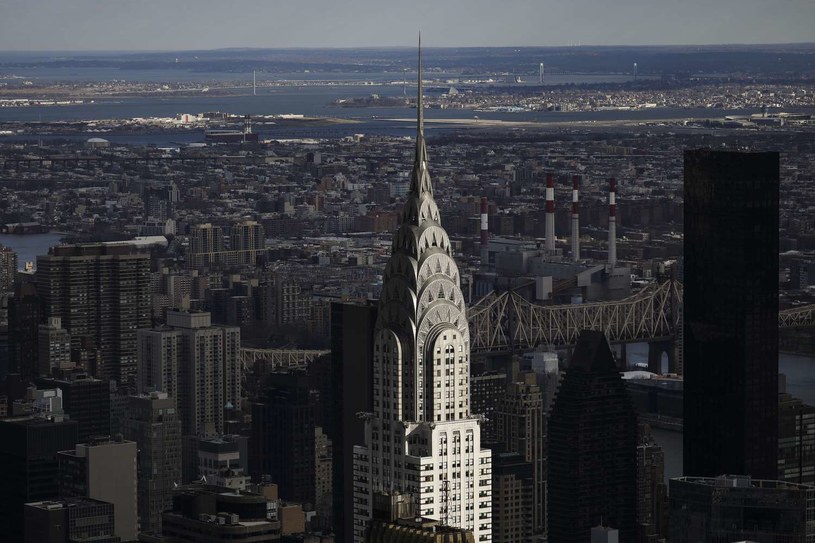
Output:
x=507 y=321
x=797 y=317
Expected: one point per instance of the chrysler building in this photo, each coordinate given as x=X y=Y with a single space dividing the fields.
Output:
x=421 y=438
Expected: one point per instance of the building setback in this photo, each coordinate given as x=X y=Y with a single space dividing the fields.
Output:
x=103 y=470
x=592 y=447
x=731 y=313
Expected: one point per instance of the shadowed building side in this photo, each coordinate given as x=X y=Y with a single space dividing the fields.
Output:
x=592 y=447
x=731 y=313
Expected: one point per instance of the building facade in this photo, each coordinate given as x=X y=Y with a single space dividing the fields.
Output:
x=422 y=437
x=196 y=363
x=54 y=348
x=283 y=436
x=796 y=440
x=521 y=430
x=72 y=519
x=86 y=400
x=8 y=269
x=737 y=508
x=104 y=470
x=153 y=423
x=29 y=467
x=102 y=295
x=351 y=390
x=512 y=498
x=592 y=447
x=487 y=390
x=731 y=318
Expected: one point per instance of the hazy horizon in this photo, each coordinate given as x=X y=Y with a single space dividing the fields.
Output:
x=184 y=25
x=408 y=47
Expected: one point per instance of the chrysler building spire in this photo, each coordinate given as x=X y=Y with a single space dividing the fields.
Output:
x=420 y=178
x=421 y=438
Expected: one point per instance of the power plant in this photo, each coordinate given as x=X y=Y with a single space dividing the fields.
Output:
x=540 y=270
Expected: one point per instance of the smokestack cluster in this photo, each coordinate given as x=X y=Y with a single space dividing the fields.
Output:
x=612 y=223
x=575 y=218
x=550 y=213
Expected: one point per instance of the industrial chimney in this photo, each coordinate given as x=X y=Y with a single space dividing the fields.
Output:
x=575 y=218
x=485 y=232
x=612 y=223
x=550 y=213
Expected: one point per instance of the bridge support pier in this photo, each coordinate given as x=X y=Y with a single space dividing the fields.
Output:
x=621 y=355
x=655 y=351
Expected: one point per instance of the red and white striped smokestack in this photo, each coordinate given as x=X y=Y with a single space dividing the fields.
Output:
x=550 y=213
x=575 y=218
x=612 y=223
x=485 y=222
x=485 y=233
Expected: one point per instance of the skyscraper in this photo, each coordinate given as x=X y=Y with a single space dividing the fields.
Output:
x=592 y=447
x=102 y=295
x=283 y=436
x=196 y=363
x=731 y=314
x=8 y=269
x=152 y=422
x=520 y=430
x=352 y=351
x=421 y=437
x=24 y=311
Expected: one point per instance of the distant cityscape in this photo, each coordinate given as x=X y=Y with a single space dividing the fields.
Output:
x=564 y=296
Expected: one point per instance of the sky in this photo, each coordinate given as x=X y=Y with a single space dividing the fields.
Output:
x=79 y=25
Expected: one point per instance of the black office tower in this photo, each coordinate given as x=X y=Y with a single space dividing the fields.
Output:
x=731 y=314
x=282 y=444
x=352 y=345
x=592 y=447
x=29 y=469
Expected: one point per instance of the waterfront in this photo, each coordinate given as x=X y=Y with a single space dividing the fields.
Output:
x=29 y=246
x=800 y=373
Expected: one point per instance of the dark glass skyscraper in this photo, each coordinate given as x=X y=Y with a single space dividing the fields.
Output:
x=283 y=436
x=352 y=360
x=592 y=448
x=731 y=314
